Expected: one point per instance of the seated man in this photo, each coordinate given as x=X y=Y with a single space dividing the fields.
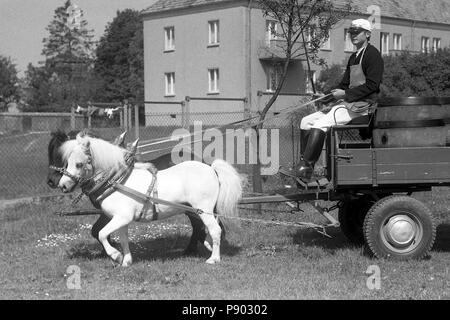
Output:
x=355 y=95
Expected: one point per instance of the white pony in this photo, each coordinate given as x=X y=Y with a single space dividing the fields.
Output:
x=205 y=187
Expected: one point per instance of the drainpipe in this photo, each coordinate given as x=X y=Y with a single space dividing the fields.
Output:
x=413 y=27
x=248 y=60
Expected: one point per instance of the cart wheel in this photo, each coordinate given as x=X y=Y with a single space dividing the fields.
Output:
x=399 y=227
x=351 y=218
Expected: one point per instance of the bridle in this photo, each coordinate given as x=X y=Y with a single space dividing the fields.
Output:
x=78 y=180
x=101 y=181
x=64 y=172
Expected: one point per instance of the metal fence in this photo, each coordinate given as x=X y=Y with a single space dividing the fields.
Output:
x=24 y=137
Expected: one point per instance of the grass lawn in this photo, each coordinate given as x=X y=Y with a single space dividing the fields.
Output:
x=259 y=262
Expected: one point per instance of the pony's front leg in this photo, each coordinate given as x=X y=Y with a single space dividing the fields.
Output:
x=123 y=234
x=116 y=223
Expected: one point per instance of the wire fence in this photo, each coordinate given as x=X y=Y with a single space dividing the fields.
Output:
x=24 y=137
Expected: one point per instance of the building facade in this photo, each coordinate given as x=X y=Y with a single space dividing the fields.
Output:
x=223 y=49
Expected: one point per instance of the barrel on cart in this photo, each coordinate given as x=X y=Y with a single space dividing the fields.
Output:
x=412 y=122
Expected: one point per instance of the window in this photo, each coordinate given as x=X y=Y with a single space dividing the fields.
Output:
x=326 y=45
x=213 y=80
x=436 y=44
x=384 y=43
x=274 y=73
x=170 y=83
x=213 y=27
x=348 y=42
x=425 y=44
x=309 y=87
x=169 y=44
x=397 y=41
x=271 y=30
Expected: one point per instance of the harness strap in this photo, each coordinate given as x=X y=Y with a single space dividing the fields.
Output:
x=151 y=188
x=142 y=197
x=107 y=188
x=63 y=171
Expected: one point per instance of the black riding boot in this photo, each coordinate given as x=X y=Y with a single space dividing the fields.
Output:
x=311 y=154
x=304 y=135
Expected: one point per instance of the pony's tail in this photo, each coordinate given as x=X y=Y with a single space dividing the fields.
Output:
x=230 y=189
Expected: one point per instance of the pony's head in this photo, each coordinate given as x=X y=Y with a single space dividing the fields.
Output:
x=85 y=156
x=55 y=158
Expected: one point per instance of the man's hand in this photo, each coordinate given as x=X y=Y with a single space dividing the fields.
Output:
x=338 y=94
x=317 y=95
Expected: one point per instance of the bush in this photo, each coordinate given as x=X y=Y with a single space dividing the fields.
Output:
x=330 y=77
x=417 y=74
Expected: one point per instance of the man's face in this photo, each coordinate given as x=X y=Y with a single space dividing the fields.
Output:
x=358 y=36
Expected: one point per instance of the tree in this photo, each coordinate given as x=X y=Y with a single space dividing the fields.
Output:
x=69 y=47
x=65 y=75
x=301 y=26
x=8 y=80
x=37 y=87
x=119 y=66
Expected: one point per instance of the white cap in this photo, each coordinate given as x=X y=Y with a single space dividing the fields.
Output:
x=361 y=24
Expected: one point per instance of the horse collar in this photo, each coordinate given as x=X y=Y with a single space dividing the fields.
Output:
x=105 y=185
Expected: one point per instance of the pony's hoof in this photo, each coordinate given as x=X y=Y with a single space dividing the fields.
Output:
x=126 y=262
x=117 y=258
x=213 y=260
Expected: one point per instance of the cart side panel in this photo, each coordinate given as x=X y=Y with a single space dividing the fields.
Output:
x=413 y=165
x=354 y=167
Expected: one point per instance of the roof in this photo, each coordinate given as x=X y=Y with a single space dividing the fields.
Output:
x=437 y=11
x=166 y=5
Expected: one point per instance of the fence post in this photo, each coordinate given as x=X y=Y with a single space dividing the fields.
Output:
x=121 y=117
x=185 y=112
x=72 y=118
x=130 y=116
x=136 y=121
x=89 y=114
x=125 y=116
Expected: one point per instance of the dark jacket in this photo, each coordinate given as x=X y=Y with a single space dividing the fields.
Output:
x=373 y=67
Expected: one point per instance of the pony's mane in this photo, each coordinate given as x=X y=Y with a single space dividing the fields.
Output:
x=58 y=135
x=105 y=155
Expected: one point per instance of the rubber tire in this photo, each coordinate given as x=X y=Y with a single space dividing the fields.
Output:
x=381 y=210
x=351 y=219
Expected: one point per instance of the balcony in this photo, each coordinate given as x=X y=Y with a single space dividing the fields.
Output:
x=274 y=50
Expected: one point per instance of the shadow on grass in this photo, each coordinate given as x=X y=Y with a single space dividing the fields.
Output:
x=311 y=238
x=169 y=248
x=87 y=251
x=442 y=242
